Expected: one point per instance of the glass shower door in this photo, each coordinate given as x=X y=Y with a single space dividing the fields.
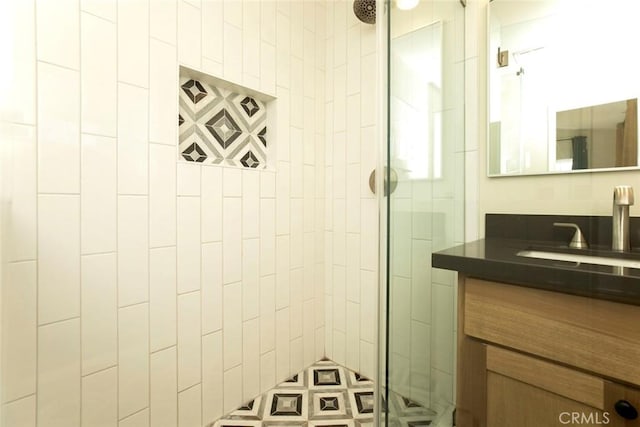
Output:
x=425 y=210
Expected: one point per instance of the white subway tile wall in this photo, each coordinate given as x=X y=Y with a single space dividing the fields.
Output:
x=20 y=340
x=133 y=359
x=349 y=252
x=99 y=312
x=58 y=113
x=100 y=398
x=139 y=419
x=58 y=397
x=155 y=292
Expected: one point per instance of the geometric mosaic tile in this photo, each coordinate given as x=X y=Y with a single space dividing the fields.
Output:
x=286 y=405
x=218 y=126
x=417 y=422
x=236 y=423
x=324 y=395
x=262 y=136
x=328 y=404
x=410 y=403
x=295 y=381
x=405 y=412
x=223 y=128
x=194 y=153
x=356 y=380
x=250 y=410
x=331 y=423
x=249 y=160
x=326 y=377
x=362 y=403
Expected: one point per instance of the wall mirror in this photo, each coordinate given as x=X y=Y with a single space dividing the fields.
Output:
x=564 y=78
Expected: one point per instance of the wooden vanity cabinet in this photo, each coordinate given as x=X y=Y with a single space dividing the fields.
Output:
x=528 y=357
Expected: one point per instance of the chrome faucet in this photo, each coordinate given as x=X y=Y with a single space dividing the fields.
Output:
x=622 y=199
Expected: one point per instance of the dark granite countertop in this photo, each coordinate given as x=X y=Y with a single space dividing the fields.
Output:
x=496 y=259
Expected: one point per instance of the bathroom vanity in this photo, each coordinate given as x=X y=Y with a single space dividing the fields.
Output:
x=544 y=342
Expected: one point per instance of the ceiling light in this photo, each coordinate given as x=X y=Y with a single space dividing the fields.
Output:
x=406 y=4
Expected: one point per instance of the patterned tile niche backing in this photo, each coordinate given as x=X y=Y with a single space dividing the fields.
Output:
x=218 y=126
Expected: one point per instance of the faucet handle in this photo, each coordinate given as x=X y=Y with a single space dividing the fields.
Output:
x=578 y=241
x=623 y=195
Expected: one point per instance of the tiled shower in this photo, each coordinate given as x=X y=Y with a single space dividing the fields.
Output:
x=140 y=288
x=148 y=281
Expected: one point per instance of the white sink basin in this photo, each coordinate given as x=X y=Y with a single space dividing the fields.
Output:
x=587 y=259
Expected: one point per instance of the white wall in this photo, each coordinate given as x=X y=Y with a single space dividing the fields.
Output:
x=351 y=210
x=142 y=290
x=579 y=194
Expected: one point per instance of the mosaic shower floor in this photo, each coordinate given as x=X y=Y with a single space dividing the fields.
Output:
x=325 y=394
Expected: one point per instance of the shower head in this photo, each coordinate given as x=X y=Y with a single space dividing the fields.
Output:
x=365 y=10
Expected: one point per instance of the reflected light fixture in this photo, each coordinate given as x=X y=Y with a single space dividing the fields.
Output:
x=406 y=4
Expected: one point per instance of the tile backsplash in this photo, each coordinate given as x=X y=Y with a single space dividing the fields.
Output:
x=221 y=126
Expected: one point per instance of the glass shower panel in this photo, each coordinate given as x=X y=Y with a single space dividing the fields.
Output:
x=426 y=151
x=417 y=77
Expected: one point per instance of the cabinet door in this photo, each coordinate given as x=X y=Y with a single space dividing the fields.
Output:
x=513 y=403
x=527 y=391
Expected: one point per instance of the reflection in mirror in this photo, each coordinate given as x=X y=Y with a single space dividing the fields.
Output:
x=602 y=136
x=563 y=86
x=416 y=112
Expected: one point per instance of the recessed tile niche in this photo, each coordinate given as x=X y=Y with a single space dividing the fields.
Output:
x=222 y=123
